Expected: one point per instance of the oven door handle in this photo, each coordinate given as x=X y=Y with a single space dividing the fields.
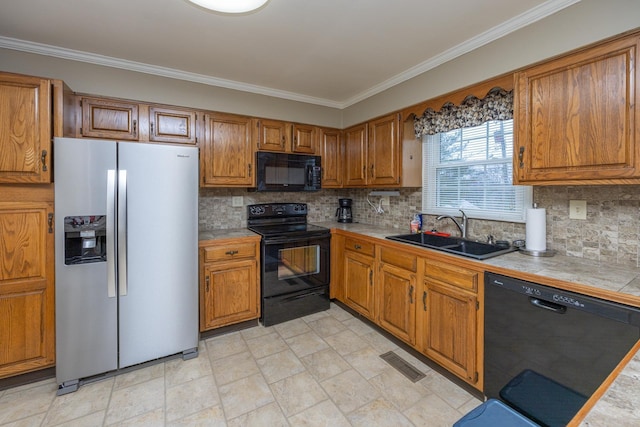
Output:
x=285 y=239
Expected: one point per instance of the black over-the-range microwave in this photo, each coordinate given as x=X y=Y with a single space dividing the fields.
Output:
x=287 y=172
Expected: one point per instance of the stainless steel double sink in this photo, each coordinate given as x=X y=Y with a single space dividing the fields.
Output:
x=454 y=245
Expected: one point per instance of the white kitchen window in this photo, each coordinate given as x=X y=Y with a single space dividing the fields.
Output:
x=471 y=169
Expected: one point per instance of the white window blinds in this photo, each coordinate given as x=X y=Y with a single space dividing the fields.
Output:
x=471 y=169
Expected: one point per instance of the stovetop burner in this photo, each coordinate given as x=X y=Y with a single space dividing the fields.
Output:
x=281 y=220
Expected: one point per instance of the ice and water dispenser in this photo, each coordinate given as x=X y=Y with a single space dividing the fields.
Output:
x=85 y=239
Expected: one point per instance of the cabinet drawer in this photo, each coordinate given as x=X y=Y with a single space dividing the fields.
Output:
x=452 y=274
x=399 y=259
x=359 y=246
x=223 y=253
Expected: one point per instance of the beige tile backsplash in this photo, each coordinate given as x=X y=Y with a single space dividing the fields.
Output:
x=611 y=232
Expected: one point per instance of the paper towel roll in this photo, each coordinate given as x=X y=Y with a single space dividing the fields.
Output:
x=536 y=231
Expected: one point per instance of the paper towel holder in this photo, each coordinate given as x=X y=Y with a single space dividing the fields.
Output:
x=545 y=253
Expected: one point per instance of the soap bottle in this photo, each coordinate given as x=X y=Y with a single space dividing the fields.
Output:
x=416 y=224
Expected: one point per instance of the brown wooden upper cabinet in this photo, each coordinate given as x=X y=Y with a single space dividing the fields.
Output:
x=285 y=137
x=110 y=119
x=226 y=152
x=273 y=135
x=172 y=125
x=25 y=124
x=576 y=119
x=383 y=153
x=331 y=153
x=355 y=156
x=304 y=139
x=372 y=153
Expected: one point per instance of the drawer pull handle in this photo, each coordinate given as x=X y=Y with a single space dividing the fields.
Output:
x=231 y=253
x=424 y=300
x=411 y=294
x=207 y=281
x=357 y=247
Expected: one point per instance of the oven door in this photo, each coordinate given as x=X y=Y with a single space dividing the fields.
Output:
x=292 y=264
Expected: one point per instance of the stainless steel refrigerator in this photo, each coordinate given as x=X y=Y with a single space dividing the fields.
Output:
x=126 y=255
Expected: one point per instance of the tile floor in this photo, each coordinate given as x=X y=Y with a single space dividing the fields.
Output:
x=321 y=370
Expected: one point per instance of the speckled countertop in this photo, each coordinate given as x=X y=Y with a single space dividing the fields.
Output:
x=233 y=233
x=620 y=405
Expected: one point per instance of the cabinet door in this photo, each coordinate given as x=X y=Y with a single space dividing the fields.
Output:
x=25 y=129
x=273 y=135
x=576 y=117
x=304 y=139
x=331 y=152
x=451 y=328
x=27 y=331
x=226 y=159
x=355 y=159
x=229 y=293
x=104 y=118
x=384 y=151
x=396 y=297
x=170 y=125
x=358 y=283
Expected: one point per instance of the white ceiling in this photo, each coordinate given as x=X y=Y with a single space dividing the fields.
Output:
x=327 y=52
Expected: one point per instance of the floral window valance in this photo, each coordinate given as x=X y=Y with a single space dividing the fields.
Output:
x=497 y=105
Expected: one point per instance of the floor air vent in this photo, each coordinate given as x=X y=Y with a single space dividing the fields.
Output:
x=403 y=366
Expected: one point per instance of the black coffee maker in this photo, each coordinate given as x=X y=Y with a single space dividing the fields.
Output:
x=343 y=213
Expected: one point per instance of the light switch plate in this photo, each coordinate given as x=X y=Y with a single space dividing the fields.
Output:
x=236 y=201
x=577 y=209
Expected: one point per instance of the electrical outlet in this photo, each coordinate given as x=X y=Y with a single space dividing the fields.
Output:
x=577 y=209
x=384 y=200
x=236 y=201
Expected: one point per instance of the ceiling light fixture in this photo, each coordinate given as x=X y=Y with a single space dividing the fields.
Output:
x=230 y=6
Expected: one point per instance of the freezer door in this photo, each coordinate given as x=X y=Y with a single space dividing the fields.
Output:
x=158 y=295
x=86 y=306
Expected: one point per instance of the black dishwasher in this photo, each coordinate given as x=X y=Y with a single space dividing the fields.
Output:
x=548 y=350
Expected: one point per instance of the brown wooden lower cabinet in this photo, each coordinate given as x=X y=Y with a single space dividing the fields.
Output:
x=451 y=324
x=27 y=331
x=359 y=266
x=398 y=289
x=229 y=282
x=423 y=299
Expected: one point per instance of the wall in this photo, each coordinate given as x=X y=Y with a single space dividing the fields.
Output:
x=610 y=234
x=580 y=24
x=98 y=80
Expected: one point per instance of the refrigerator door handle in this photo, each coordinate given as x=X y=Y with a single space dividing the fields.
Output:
x=111 y=235
x=122 y=232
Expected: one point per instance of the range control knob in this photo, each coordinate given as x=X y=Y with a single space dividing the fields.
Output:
x=256 y=210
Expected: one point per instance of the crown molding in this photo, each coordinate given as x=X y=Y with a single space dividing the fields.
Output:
x=548 y=8
x=540 y=12
x=108 y=61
